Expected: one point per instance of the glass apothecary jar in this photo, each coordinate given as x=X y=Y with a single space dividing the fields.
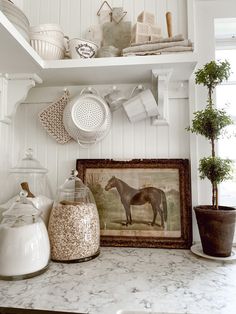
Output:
x=31 y=171
x=74 y=229
x=24 y=242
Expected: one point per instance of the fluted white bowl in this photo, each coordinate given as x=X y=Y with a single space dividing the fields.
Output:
x=48 y=48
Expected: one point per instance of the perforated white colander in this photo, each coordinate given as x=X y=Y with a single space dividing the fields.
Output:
x=87 y=118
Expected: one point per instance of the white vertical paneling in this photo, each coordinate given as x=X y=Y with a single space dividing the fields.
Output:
x=67 y=17
x=163 y=141
x=178 y=136
x=73 y=26
x=117 y=134
x=62 y=164
x=5 y=146
x=128 y=6
x=184 y=122
x=138 y=7
x=150 y=140
x=161 y=9
x=32 y=11
x=172 y=6
x=106 y=147
x=86 y=12
x=49 y=11
x=174 y=129
x=95 y=150
x=150 y=6
x=52 y=163
x=182 y=17
x=128 y=138
x=139 y=139
x=116 y=3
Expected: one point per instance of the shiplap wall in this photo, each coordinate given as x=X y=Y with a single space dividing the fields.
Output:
x=5 y=158
x=125 y=141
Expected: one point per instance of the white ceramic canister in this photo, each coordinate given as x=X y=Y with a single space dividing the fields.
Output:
x=82 y=48
x=24 y=242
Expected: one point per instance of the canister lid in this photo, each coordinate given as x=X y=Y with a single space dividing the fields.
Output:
x=73 y=190
x=22 y=211
x=29 y=164
x=72 y=184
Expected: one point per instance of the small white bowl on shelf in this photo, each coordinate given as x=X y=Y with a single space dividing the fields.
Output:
x=52 y=30
x=47 y=47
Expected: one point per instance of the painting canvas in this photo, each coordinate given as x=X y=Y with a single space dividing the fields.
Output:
x=141 y=202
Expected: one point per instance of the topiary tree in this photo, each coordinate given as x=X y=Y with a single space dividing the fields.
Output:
x=211 y=123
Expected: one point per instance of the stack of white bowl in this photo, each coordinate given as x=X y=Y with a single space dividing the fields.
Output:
x=16 y=17
x=48 y=41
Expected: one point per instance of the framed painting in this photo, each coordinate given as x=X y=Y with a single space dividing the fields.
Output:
x=141 y=202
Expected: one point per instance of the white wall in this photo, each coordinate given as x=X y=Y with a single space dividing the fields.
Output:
x=5 y=158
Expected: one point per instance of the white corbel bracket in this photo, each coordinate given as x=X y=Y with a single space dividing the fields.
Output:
x=161 y=79
x=14 y=89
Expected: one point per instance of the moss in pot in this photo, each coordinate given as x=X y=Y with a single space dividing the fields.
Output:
x=216 y=223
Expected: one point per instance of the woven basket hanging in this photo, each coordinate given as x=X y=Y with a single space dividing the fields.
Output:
x=51 y=119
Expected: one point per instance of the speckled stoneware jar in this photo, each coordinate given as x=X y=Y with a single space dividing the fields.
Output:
x=74 y=229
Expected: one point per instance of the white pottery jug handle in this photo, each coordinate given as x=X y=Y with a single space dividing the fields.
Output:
x=138 y=87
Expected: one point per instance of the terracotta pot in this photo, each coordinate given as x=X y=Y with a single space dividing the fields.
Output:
x=216 y=228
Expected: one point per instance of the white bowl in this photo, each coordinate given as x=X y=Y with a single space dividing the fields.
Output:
x=81 y=48
x=52 y=30
x=48 y=48
x=9 y=8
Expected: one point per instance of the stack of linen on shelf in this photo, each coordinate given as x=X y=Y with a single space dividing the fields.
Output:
x=160 y=46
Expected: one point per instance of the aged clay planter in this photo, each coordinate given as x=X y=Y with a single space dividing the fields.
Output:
x=216 y=228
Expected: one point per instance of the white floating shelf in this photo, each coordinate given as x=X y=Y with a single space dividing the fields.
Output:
x=17 y=56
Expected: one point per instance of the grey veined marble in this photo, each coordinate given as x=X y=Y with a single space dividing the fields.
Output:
x=130 y=279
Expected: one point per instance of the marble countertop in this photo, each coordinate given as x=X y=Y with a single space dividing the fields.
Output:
x=158 y=280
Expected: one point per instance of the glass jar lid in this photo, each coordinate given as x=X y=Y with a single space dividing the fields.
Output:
x=21 y=212
x=29 y=164
x=73 y=189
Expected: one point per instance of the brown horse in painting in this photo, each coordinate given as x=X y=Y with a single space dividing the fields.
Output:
x=130 y=196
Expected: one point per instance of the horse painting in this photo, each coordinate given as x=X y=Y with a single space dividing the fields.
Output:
x=130 y=196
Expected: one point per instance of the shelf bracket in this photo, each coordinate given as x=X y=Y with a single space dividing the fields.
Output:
x=14 y=89
x=160 y=87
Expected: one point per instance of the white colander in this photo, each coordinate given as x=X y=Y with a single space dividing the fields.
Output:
x=87 y=118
